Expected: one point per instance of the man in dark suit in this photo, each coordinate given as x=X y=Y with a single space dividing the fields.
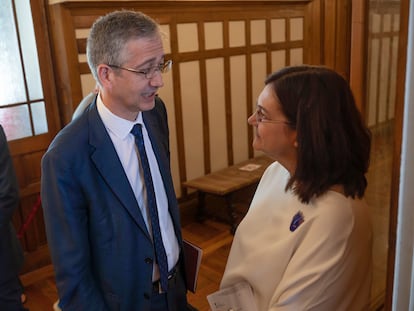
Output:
x=96 y=202
x=11 y=254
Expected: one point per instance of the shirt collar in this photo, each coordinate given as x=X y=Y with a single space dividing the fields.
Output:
x=118 y=126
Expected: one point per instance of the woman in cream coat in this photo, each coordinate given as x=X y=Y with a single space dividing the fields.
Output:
x=305 y=243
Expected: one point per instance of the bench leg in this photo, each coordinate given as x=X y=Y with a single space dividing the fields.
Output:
x=201 y=208
x=231 y=213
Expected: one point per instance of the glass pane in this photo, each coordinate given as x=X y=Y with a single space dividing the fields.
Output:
x=381 y=83
x=16 y=122
x=278 y=30
x=213 y=35
x=39 y=118
x=296 y=29
x=258 y=32
x=11 y=78
x=28 y=43
x=236 y=33
x=296 y=56
x=187 y=37
x=278 y=59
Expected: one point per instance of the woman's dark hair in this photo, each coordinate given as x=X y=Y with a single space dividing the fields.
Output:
x=333 y=142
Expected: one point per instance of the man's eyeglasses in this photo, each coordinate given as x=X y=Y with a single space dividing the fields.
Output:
x=150 y=72
x=261 y=118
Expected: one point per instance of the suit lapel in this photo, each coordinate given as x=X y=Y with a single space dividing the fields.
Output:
x=104 y=155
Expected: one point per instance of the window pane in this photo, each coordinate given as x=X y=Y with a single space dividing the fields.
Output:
x=11 y=77
x=28 y=43
x=16 y=122
x=39 y=118
x=20 y=81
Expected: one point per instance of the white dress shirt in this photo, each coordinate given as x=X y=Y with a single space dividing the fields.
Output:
x=119 y=130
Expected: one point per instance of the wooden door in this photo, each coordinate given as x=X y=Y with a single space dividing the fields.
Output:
x=30 y=122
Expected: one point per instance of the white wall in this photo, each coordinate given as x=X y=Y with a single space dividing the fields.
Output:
x=403 y=294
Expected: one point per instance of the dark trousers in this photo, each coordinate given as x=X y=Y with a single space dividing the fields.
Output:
x=10 y=291
x=174 y=300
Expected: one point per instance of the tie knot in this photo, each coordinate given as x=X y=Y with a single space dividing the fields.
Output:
x=137 y=130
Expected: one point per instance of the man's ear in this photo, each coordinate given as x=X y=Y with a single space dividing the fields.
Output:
x=105 y=74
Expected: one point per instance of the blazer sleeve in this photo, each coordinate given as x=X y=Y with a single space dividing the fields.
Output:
x=66 y=220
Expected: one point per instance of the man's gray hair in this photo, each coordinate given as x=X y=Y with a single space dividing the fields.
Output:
x=110 y=33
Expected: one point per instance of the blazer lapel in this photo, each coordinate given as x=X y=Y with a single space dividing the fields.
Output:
x=104 y=155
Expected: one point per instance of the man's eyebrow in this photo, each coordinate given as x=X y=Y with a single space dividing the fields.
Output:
x=150 y=62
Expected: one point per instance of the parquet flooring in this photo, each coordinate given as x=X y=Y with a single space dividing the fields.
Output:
x=215 y=239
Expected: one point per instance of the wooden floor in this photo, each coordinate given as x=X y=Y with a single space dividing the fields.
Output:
x=215 y=239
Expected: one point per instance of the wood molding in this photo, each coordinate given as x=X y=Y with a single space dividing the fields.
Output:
x=399 y=114
x=337 y=35
x=357 y=77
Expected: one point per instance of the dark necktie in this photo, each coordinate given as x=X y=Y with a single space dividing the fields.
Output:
x=152 y=207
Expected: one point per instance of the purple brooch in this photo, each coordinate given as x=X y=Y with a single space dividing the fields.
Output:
x=297 y=220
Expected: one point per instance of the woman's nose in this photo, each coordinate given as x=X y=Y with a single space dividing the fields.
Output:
x=252 y=119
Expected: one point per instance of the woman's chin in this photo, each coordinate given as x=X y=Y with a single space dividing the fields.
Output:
x=256 y=146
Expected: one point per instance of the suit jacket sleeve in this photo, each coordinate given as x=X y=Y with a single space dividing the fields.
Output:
x=9 y=189
x=66 y=220
x=11 y=254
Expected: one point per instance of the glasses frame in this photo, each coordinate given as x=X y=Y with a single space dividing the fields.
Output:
x=150 y=72
x=260 y=118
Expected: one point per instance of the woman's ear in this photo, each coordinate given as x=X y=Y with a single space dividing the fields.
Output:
x=294 y=137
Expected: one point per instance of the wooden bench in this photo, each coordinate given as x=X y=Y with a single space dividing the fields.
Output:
x=225 y=182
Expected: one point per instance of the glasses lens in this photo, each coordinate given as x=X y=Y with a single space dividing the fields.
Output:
x=166 y=66
x=163 y=68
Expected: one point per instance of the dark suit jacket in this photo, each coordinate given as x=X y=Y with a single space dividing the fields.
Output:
x=100 y=246
x=11 y=254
